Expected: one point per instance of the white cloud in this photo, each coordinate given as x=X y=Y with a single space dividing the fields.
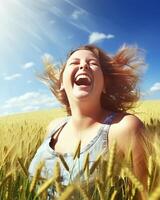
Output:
x=155 y=87
x=97 y=37
x=29 y=98
x=12 y=77
x=29 y=101
x=77 y=13
x=28 y=65
x=109 y=36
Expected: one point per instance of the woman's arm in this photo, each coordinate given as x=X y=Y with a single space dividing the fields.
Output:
x=129 y=134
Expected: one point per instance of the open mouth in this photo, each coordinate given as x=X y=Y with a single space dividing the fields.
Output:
x=83 y=80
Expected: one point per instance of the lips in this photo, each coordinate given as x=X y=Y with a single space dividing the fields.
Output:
x=83 y=80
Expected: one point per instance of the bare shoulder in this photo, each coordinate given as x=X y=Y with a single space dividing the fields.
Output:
x=52 y=124
x=129 y=133
x=129 y=122
x=126 y=128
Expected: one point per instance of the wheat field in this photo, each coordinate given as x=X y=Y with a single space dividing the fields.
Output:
x=21 y=135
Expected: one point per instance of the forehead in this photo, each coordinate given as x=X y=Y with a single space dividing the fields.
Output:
x=85 y=54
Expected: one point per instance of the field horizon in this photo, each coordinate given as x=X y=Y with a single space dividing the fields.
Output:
x=142 y=109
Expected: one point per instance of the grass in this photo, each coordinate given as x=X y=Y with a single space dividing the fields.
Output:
x=22 y=134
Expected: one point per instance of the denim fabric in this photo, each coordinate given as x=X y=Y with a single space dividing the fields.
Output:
x=97 y=146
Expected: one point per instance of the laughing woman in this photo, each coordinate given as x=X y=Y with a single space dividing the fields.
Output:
x=97 y=90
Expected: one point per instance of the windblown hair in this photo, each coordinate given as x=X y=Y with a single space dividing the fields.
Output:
x=121 y=75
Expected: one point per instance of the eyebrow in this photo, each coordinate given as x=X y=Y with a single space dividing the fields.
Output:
x=91 y=59
x=74 y=59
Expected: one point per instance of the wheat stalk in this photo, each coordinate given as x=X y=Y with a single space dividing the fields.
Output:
x=83 y=192
x=9 y=151
x=133 y=179
x=57 y=176
x=67 y=193
x=36 y=176
x=44 y=186
x=100 y=191
x=130 y=158
x=155 y=194
x=9 y=174
x=63 y=162
x=150 y=172
x=95 y=164
x=77 y=151
x=24 y=170
x=112 y=154
x=86 y=165
x=113 y=195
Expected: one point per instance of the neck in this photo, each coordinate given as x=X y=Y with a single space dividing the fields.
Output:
x=85 y=115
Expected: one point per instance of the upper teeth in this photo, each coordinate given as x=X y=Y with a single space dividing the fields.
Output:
x=83 y=76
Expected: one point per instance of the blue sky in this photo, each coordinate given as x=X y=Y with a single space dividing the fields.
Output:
x=32 y=30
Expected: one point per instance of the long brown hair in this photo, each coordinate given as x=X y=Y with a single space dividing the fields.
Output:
x=121 y=75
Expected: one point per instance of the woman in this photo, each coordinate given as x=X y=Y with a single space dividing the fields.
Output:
x=97 y=89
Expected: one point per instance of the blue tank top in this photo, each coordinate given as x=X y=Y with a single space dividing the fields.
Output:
x=97 y=146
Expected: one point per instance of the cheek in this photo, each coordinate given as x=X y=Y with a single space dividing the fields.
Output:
x=66 y=74
x=67 y=77
x=99 y=78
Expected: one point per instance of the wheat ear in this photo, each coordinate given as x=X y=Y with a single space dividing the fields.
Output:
x=44 y=186
x=112 y=154
x=77 y=151
x=64 y=162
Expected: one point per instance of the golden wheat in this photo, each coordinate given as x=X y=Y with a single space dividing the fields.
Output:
x=57 y=176
x=45 y=186
x=67 y=193
x=26 y=133
x=133 y=179
x=100 y=191
x=112 y=154
x=82 y=192
x=63 y=162
x=36 y=176
x=77 y=151
x=150 y=172
x=155 y=194
x=24 y=170
x=95 y=164
x=9 y=174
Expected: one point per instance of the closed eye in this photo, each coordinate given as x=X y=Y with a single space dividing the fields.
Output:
x=94 y=63
x=74 y=63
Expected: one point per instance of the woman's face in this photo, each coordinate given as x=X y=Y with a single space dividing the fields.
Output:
x=82 y=77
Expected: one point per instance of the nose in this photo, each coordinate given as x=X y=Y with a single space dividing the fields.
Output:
x=83 y=65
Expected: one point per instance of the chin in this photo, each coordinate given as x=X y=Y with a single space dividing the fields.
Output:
x=82 y=95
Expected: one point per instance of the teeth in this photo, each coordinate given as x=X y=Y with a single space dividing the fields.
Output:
x=83 y=76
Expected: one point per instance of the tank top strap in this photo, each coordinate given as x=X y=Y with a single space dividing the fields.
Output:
x=108 y=120
x=105 y=130
x=57 y=127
